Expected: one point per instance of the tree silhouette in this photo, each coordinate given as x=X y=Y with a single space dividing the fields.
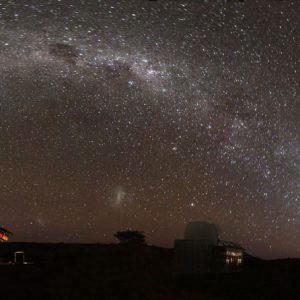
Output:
x=130 y=237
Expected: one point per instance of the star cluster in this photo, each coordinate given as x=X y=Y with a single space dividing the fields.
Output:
x=148 y=115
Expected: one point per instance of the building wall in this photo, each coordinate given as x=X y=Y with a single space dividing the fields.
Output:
x=198 y=257
x=193 y=257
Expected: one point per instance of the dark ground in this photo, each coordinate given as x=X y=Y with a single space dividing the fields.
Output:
x=95 y=271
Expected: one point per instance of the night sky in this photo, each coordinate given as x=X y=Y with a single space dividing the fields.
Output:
x=148 y=115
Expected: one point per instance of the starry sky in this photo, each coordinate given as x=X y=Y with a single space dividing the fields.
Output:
x=148 y=115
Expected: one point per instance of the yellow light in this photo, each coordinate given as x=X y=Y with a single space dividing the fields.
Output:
x=4 y=237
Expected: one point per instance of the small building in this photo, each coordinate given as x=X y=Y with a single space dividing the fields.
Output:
x=4 y=235
x=201 y=251
x=19 y=258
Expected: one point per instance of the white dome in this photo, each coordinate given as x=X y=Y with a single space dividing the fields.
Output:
x=202 y=231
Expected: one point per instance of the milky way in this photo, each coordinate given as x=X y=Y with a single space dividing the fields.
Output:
x=148 y=115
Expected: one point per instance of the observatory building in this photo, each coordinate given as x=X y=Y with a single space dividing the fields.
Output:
x=201 y=251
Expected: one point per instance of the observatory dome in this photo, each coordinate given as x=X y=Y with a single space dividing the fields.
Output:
x=202 y=231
